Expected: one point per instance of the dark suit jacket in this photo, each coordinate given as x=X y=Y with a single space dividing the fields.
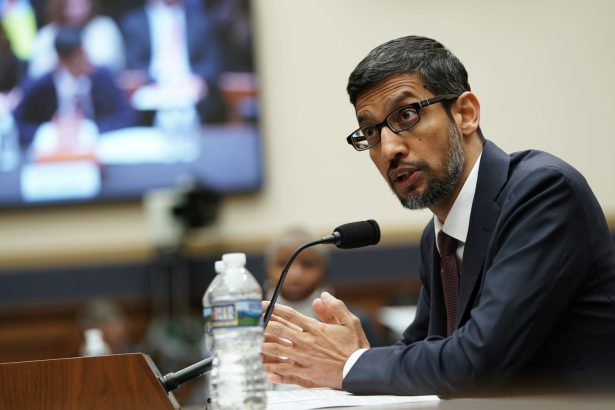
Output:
x=537 y=292
x=203 y=52
x=40 y=102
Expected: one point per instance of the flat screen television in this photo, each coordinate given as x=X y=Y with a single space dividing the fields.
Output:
x=203 y=128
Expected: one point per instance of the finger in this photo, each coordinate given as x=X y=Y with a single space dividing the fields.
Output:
x=290 y=315
x=271 y=359
x=286 y=354
x=289 y=374
x=322 y=312
x=282 y=369
x=278 y=353
x=267 y=359
x=275 y=378
x=286 y=322
x=290 y=379
x=282 y=330
x=269 y=338
x=337 y=308
x=265 y=305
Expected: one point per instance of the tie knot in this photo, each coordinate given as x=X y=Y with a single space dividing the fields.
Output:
x=446 y=244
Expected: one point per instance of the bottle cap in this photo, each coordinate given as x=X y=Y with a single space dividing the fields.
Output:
x=219 y=266
x=93 y=334
x=234 y=259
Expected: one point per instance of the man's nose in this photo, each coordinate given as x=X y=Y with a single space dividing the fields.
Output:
x=392 y=144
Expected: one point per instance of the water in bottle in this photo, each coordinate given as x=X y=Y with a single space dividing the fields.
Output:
x=237 y=377
x=209 y=338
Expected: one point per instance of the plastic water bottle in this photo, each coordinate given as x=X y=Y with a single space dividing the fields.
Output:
x=238 y=377
x=209 y=338
x=94 y=344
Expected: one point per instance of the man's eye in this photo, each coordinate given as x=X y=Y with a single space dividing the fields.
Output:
x=370 y=131
x=407 y=114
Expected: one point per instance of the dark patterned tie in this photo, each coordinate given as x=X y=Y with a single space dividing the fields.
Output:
x=449 y=272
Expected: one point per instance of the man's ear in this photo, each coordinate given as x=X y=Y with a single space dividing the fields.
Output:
x=467 y=113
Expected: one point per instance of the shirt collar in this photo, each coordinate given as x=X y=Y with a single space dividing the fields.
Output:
x=458 y=219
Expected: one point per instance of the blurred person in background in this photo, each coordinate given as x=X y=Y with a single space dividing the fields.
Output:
x=102 y=39
x=238 y=84
x=172 y=45
x=11 y=72
x=234 y=33
x=109 y=317
x=75 y=91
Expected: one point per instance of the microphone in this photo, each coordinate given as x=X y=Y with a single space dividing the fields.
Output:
x=354 y=235
x=348 y=236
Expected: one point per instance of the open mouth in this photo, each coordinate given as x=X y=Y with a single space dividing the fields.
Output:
x=403 y=176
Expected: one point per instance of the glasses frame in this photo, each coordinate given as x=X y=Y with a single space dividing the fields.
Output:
x=415 y=105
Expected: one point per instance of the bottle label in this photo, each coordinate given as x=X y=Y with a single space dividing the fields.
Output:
x=245 y=312
x=207 y=317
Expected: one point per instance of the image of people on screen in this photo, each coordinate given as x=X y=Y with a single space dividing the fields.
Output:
x=109 y=100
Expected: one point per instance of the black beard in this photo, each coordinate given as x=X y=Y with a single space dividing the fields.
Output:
x=439 y=188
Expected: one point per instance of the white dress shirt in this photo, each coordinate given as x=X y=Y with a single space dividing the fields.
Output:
x=74 y=93
x=170 y=61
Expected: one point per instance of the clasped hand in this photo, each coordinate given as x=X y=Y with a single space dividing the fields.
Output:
x=311 y=353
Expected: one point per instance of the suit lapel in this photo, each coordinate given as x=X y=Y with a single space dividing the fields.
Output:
x=492 y=175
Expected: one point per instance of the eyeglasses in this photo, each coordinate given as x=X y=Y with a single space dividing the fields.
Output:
x=399 y=120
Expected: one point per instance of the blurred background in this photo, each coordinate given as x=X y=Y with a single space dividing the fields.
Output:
x=118 y=228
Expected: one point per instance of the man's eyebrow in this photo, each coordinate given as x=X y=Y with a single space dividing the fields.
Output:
x=394 y=102
x=390 y=104
x=363 y=118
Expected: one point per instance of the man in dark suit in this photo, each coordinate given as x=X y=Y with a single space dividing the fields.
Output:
x=517 y=265
x=73 y=91
x=168 y=41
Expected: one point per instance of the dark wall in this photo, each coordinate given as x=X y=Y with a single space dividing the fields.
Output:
x=140 y=279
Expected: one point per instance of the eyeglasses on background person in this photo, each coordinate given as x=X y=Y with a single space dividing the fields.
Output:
x=398 y=120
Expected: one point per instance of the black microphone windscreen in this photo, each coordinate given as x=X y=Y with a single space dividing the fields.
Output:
x=358 y=234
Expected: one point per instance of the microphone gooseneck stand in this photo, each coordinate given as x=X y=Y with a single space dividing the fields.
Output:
x=172 y=381
x=351 y=235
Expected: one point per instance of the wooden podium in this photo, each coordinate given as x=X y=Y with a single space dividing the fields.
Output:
x=123 y=381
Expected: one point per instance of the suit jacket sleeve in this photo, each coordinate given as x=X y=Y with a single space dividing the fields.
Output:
x=136 y=32
x=203 y=49
x=38 y=105
x=111 y=108
x=534 y=263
